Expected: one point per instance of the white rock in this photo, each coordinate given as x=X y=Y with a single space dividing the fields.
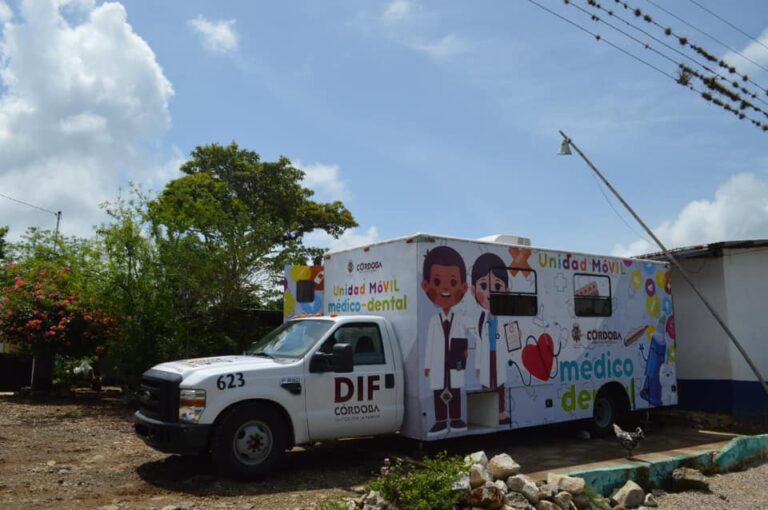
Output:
x=516 y=501
x=373 y=499
x=499 y=484
x=571 y=484
x=524 y=485
x=476 y=458
x=630 y=495
x=462 y=484
x=502 y=466
x=478 y=475
x=650 y=500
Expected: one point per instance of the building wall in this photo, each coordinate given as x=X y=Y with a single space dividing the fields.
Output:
x=703 y=351
x=746 y=289
x=712 y=375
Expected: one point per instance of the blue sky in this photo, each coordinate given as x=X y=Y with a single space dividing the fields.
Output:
x=422 y=116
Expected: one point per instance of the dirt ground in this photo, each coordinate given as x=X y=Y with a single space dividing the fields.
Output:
x=80 y=452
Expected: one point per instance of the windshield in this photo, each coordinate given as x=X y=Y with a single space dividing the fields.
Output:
x=291 y=340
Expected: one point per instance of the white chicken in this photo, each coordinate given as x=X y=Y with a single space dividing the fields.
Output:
x=628 y=440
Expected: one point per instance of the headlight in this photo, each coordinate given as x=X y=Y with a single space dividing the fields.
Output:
x=191 y=405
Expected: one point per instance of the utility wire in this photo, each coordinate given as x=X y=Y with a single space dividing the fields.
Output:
x=612 y=14
x=28 y=204
x=684 y=41
x=679 y=79
x=694 y=2
x=711 y=37
x=618 y=214
x=598 y=37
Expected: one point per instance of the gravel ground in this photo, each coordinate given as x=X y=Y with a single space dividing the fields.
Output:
x=80 y=453
x=743 y=490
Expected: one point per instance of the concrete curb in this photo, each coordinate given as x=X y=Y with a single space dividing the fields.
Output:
x=653 y=473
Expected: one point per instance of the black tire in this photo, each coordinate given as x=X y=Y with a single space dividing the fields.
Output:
x=610 y=407
x=249 y=441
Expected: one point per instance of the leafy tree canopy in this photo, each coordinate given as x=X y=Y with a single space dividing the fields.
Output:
x=233 y=221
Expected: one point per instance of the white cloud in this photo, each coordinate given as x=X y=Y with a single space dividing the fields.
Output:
x=5 y=12
x=351 y=238
x=82 y=104
x=406 y=23
x=218 y=36
x=324 y=179
x=445 y=47
x=754 y=51
x=398 y=10
x=738 y=211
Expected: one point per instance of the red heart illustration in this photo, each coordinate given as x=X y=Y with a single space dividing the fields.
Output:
x=537 y=358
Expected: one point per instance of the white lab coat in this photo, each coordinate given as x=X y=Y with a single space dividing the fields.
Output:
x=483 y=354
x=435 y=351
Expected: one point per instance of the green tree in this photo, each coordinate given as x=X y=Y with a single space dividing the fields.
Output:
x=225 y=230
x=3 y=233
x=133 y=288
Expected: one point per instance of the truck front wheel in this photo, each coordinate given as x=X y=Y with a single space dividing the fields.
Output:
x=249 y=441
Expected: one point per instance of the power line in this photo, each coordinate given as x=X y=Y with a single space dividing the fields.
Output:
x=598 y=37
x=29 y=205
x=694 y=2
x=709 y=82
x=685 y=41
x=682 y=79
x=612 y=14
x=713 y=38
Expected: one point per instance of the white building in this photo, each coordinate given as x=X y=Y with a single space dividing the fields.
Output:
x=712 y=374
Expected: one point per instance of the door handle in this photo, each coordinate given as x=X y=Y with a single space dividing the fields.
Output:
x=293 y=387
x=389 y=381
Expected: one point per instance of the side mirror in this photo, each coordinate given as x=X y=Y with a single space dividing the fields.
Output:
x=320 y=362
x=342 y=358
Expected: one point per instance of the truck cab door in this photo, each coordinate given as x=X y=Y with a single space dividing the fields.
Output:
x=358 y=403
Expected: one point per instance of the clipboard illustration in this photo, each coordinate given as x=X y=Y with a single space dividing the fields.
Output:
x=456 y=359
x=513 y=336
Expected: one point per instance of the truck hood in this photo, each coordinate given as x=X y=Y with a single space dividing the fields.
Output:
x=219 y=364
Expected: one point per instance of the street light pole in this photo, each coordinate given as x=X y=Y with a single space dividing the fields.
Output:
x=568 y=143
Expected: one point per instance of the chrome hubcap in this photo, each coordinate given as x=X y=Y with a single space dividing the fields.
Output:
x=253 y=442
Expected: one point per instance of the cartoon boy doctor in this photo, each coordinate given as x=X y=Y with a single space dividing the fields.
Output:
x=444 y=280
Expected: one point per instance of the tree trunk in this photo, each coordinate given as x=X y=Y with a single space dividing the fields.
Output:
x=42 y=370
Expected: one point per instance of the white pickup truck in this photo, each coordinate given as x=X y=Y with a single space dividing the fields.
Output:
x=309 y=380
x=432 y=337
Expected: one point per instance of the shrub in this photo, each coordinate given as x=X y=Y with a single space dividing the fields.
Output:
x=333 y=504
x=428 y=486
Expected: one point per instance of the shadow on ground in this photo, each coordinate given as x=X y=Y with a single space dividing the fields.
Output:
x=348 y=463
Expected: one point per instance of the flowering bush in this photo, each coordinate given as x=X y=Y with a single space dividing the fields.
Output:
x=40 y=310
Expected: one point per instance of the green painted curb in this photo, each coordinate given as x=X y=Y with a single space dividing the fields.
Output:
x=741 y=450
x=653 y=474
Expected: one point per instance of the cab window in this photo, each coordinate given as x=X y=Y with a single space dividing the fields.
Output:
x=365 y=340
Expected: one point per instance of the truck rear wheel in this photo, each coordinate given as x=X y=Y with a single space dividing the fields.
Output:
x=249 y=441
x=610 y=406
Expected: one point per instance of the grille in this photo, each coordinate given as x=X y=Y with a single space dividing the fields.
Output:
x=159 y=395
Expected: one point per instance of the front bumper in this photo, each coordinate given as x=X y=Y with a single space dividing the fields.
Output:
x=182 y=438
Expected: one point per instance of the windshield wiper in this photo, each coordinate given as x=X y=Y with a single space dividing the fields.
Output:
x=262 y=353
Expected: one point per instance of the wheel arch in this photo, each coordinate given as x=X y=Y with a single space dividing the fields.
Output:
x=282 y=412
x=618 y=392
